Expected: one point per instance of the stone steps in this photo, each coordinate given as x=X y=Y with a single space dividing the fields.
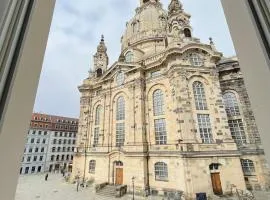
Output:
x=107 y=191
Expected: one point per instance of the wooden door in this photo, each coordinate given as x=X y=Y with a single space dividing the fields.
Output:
x=119 y=176
x=216 y=183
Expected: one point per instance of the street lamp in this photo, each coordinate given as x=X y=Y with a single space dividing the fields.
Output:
x=133 y=187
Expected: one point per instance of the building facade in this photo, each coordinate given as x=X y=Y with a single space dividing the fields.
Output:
x=50 y=144
x=166 y=114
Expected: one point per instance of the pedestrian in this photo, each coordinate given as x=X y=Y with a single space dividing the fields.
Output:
x=78 y=184
x=46 y=177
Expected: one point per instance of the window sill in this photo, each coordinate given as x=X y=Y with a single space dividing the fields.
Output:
x=163 y=180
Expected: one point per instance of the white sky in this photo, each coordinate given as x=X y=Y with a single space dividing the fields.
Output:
x=75 y=33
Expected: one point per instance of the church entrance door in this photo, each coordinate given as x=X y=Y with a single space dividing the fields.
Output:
x=216 y=183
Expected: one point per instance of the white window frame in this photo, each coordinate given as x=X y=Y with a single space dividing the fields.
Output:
x=205 y=128
x=199 y=95
x=161 y=171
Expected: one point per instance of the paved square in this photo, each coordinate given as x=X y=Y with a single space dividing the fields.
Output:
x=34 y=187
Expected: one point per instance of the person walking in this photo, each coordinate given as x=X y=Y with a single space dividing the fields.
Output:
x=46 y=176
x=78 y=184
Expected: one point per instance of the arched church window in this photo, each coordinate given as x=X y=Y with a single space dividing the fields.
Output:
x=99 y=72
x=231 y=104
x=196 y=60
x=120 y=125
x=120 y=77
x=161 y=171
x=199 y=96
x=97 y=117
x=187 y=32
x=120 y=108
x=129 y=57
x=158 y=103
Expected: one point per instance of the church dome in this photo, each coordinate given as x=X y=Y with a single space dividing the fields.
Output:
x=148 y=23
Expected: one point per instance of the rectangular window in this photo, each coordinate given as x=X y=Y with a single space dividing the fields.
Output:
x=96 y=135
x=39 y=132
x=35 y=158
x=26 y=170
x=205 y=128
x=237 y=131
x=33 y=169
x=28 y=158
x=39 y=169
x=120 y=134
x=44 y=141
x=160 y=131
x=32 y=140
x=38 y=141
x=40 y=158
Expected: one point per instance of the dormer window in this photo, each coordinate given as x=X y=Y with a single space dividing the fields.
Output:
x=129 y=57
x=196 y=60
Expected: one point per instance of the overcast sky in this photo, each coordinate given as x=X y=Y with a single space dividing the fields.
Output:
x=75 y=33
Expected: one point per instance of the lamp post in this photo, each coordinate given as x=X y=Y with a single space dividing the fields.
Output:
x=133 y=187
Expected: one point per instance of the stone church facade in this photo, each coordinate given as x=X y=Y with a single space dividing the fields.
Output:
x=172 y=113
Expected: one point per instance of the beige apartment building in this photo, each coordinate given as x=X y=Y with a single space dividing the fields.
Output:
x=172 y=113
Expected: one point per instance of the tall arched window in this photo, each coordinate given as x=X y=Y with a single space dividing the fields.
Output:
x=161 y=171
x=120 y=121
x=97 y=117
x=158 y=103
x=129 y=57
x=120 y=108
x=199 y=96
x=247 y=166
x=231 y=104
x=92 y=166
